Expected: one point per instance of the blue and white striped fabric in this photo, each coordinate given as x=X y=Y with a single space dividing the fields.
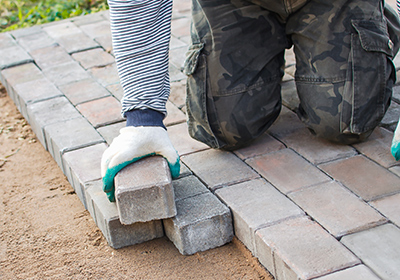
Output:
x=141 y=32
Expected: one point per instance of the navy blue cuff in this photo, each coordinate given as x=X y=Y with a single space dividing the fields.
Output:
x=146 y=117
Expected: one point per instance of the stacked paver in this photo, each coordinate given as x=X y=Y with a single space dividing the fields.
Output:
x=306 y=208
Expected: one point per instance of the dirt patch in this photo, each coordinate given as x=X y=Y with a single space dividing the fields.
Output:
x=47 y=234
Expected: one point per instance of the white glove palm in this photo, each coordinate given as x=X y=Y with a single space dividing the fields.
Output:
x=132 y=144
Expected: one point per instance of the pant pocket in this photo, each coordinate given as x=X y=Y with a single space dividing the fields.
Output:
x=370 y=78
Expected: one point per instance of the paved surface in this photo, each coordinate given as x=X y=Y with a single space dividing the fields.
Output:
x=308 y=209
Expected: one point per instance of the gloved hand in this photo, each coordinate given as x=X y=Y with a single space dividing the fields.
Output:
x=132 y=144
x=396 y=143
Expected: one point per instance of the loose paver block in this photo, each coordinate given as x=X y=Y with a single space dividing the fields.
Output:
x=70 y=135
x=101 y=111
x=378 y=248
x=82 y=166
x=182 y=142
x=83 y=91
x=314 y=149
x=256 y=204
x=364 y=177
x=287 y=171
x=187 y=187
x=390 y=207
x=202 y=222
x=105 y=214
x=359 y=272
x=144 y=191
x=263 y=145
x=300 y=249
x=218 y=168
x=48 y=112
x=337 y=209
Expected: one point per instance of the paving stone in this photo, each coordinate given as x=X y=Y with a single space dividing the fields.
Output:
x=256 y=204
x=359 y=272
x=178 y=56
x=144 y=192
x=109 y=132
x=287 y=171
x=314 y=149
x=178 y=94
x=13 y=56
x=18 y=33
x=61 y=29
x=50 y=56
x=218 y=168
x=36 y=41
x=396 y=91
x=180 y=27
x=116 y=90
x=48 y=112
x=18 y=75
x=65 y=73
x=395 y=170
x=106 y=217
x=93 y=58
x=286 y=123
x=106 y=76
x=182 y=142
x=69 y=135
x=337 y=209
x=175 y=43
x=106 y=42
x=390 y=207
x=392 y=115
x=82 y=166
x=377 y=147
x=300 y=249
x=77 y=42
x=289 y=95
x=83 y=91
x=6 y=41
x=373 y=180
x=174 y=116
x=202 y=222
x=97 y=29
x=34 y=91
x=186 y=39
x=263 y=145
x=101 y=111
x=175 y=75
x=88 y=19
x=290 y=58
x=378 y=248
x=188 y=186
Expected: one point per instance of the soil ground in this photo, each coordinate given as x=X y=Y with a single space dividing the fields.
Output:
x=46 y=233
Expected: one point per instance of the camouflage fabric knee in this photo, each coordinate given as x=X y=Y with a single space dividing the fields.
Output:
x=234 y=67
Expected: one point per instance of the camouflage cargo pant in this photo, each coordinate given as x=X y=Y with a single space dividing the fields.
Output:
x=344 y=72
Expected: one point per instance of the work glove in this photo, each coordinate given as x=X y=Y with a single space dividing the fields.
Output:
x=396 y=143
x=132 y=144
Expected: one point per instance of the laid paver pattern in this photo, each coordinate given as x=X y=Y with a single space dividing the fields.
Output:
x=305 y=207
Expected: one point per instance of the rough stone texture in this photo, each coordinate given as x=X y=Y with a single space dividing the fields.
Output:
x=105 y=215
x=390 y=207
x=48 y=112
x=144 y=192
x=378 y=248
x=50 y=56
x=263 y=145
x=187 y=187
x=109 y=132
x=101 y=111
x=69 y=135
x=183 y=143
x=82 y=166
x=66 y=73
x=374 y=182
x=83 y=91
x=337 y=209
x=287 y=171
x=300 y=249
x=13 y=56
x=202 y=222
x=377 y=147
x=218 y=168
x=256 y=204
x=359 y=272
x=316 y=150
x=93 y=58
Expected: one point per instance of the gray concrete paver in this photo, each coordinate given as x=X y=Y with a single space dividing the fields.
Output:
x=82 y=91
x=359 y=272
x=390 y=207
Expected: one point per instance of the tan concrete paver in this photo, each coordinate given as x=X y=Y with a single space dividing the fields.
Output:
x=378 y=248
x=287 y=171
x=183 y=143
x=390 y=207
x=337 y=209
x=300 y=249
x=364 y=177
x=263 y=145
